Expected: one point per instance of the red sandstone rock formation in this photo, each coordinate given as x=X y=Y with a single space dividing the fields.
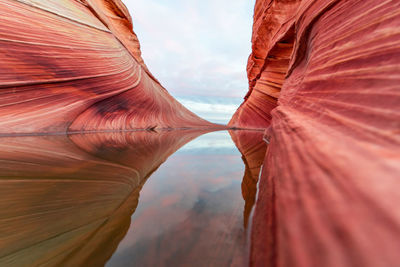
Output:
x=324 y=77
x=75 y=65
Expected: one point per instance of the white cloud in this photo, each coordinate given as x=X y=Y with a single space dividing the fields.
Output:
x=215 y=109
x=195 y=47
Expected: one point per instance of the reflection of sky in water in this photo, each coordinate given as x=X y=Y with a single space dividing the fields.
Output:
x=191 y=208
x=211 y=143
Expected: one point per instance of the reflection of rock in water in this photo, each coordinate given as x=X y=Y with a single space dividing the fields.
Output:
x=253 y=148
x=63 y=204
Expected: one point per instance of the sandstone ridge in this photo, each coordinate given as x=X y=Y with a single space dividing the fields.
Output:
x=324 y=82
x=72 y=65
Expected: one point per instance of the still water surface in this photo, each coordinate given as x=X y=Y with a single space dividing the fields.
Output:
x=177 y=198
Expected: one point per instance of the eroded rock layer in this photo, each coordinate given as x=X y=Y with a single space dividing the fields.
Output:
x=273 y=39
x=324 y=77
x=72 y=65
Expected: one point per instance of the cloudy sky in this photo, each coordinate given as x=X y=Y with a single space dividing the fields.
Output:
x=198 y=49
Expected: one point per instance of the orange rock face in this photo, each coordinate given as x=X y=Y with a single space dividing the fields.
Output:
x=74 y=65
x=324 y=77
x=273 y=38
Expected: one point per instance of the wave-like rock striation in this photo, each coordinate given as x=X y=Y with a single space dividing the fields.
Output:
x=75 y=65
x=324 y=79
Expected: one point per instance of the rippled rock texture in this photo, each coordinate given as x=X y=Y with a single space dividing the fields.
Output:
x=324 y=79
x=75 y=65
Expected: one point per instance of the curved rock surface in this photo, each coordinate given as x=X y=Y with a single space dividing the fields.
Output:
x=324 y=79
x=75 y=65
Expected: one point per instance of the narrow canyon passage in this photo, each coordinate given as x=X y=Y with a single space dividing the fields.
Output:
x=101 y=164
x=123 y=198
